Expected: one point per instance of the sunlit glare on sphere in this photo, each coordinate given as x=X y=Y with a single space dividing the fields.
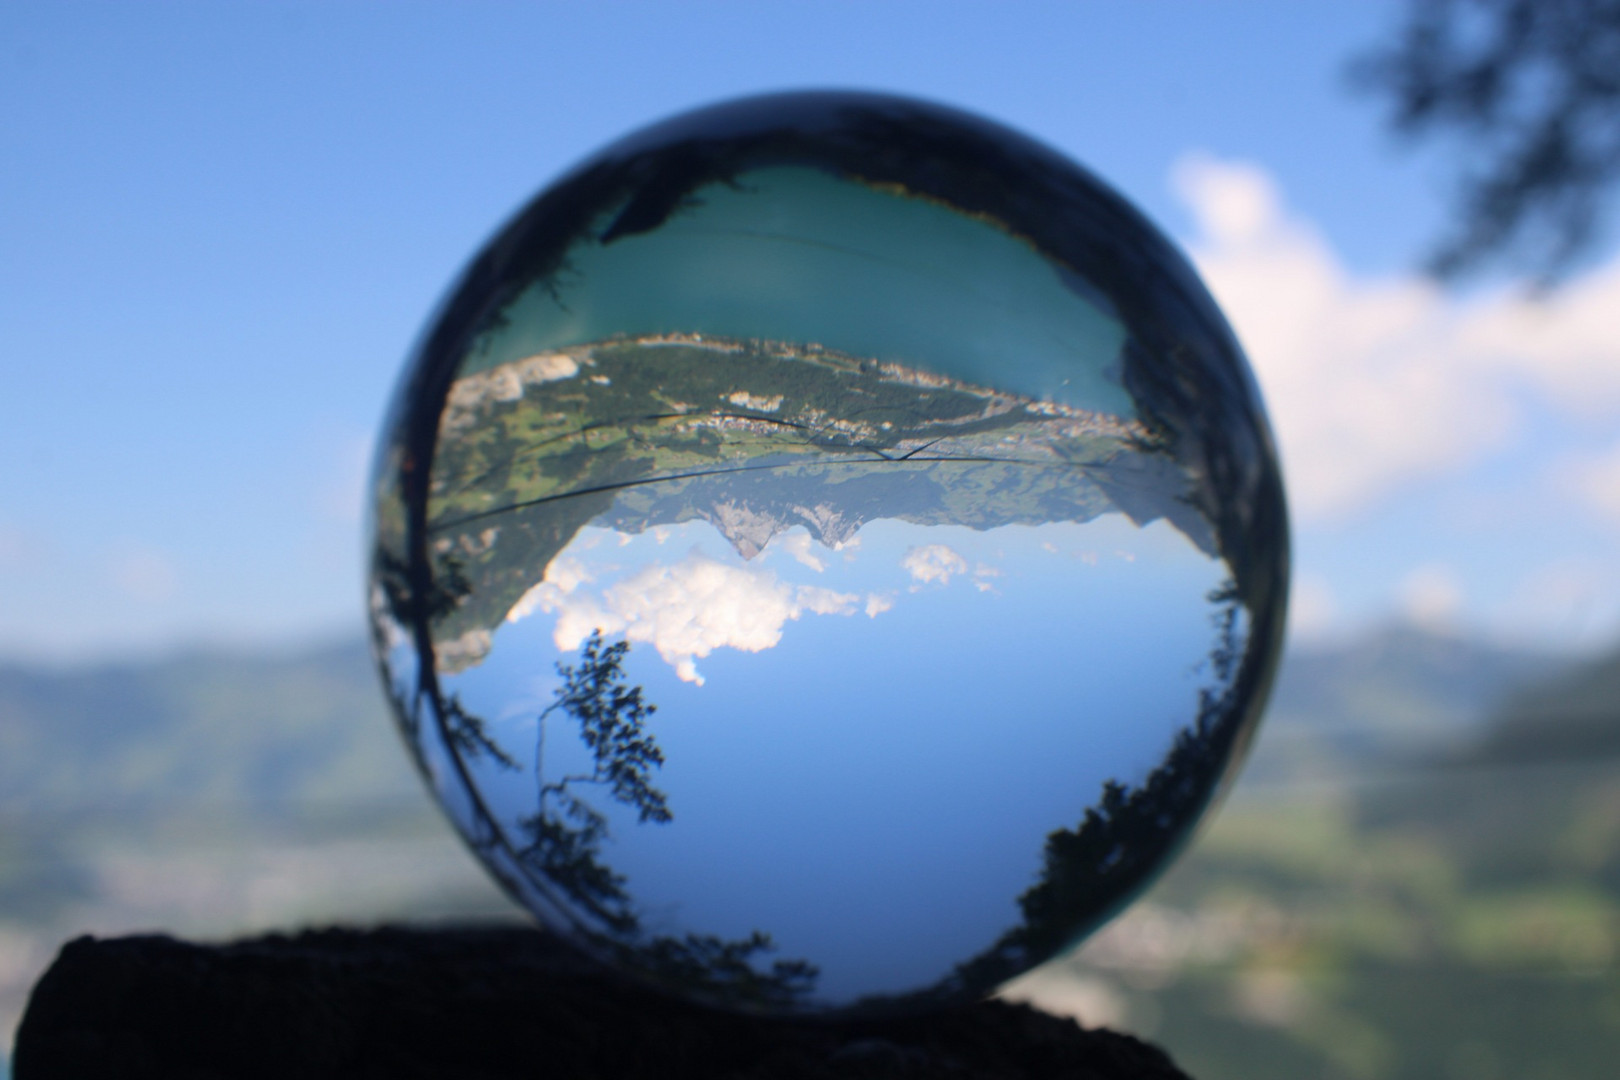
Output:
x=827 y=553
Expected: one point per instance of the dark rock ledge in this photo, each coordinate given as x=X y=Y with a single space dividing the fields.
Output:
x=485 y=1004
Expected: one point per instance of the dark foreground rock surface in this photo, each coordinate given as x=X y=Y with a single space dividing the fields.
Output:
x=485 y=1004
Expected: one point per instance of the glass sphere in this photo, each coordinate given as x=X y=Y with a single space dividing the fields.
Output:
x=827 y=554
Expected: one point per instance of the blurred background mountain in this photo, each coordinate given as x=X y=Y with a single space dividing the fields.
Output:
x=1422 y=849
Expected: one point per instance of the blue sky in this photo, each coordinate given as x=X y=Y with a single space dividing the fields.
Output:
x=222 y=225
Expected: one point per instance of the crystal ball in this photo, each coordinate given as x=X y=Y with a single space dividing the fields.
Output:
x=827 y=553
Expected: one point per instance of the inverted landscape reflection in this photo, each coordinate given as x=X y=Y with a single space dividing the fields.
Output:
x=796 y=602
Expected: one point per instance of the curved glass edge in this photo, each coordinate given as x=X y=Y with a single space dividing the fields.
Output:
x=1183 y=369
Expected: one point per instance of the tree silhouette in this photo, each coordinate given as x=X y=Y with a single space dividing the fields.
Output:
x=566 y=831
x=610 y=715
x=565 y=848
x=723 y=971
x=470 y=735
x=408 y=605
x=566 y=834
x=1532 y=87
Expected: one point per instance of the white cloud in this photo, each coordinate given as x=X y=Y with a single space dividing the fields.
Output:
x=1432 y=596
x=460 y=653
x=820 y=601
x=564 y=574
x=933 y=562
x=685 y=610
x=797 y=543
x=1567 y=344
x=1374 y=384
x=1236 y=202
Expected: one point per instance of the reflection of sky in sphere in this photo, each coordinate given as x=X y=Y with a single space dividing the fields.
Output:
x=866 y=746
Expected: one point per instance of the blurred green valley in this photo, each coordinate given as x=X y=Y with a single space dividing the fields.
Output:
x=1418 y=875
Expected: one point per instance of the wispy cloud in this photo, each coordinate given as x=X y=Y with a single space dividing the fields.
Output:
x=799 y=544
x=1432 y=596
